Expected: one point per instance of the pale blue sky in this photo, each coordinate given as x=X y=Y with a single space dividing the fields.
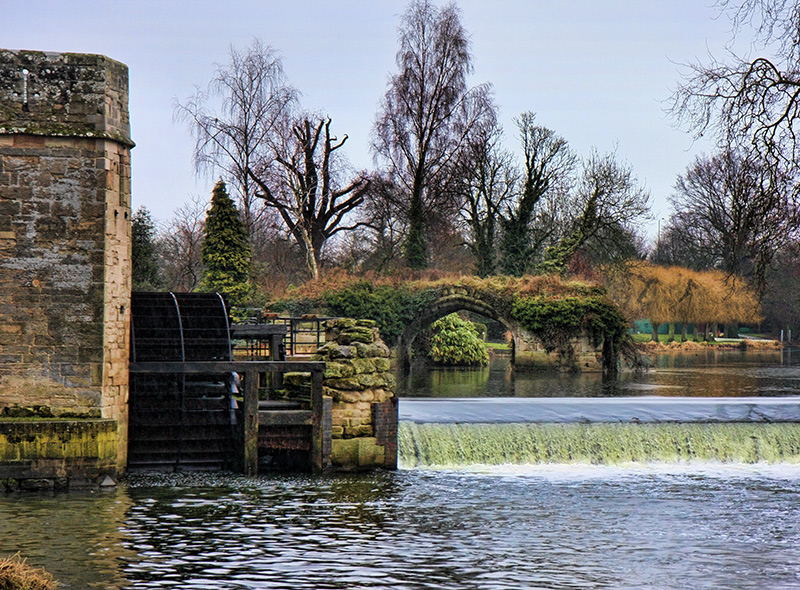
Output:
x=597 y=72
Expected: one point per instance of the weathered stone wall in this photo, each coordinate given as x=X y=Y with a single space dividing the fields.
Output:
x=64 y=234
x=56 y=454
x=364 y=410
x=577 y=355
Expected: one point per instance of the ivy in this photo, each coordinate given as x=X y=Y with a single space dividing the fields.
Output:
x=549 y=308
x=393 y=308
x=555 y=321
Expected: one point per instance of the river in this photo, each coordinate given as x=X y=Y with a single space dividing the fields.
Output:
x=655 y=525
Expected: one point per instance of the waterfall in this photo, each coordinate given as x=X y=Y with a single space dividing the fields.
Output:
x=463 y=444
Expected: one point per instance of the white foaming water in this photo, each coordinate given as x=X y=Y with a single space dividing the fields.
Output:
x=555 y=472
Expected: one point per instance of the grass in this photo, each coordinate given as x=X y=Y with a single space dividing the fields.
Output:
x=497 y=345
x=16 y=574
x=664 y=338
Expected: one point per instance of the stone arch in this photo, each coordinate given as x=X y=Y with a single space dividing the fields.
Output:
x=455 y=299
x=579 y=354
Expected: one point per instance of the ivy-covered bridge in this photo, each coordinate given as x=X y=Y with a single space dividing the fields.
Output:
x=553 y=324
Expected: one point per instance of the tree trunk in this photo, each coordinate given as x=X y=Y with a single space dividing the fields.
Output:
x=311 y=260
x=714 y=331
x=684 y=332
x=697 y=334
x=671 y=337
x=655 y=331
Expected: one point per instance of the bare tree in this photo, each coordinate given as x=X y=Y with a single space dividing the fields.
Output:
x=301 y=183
x=277 y=159
x=489 y=179
x=179 y=245
x=751 y=104
x=381 y=237
x=738 y=211
x=609 y=200
x=235 y=117
x=548 y=168
x=427 y=115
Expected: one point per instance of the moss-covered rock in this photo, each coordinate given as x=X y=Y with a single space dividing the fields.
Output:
x=334 y=370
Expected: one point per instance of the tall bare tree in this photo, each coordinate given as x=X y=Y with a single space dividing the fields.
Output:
x=548 y=165
x=235 y=118
x=427 y=114
x=302 y=183
x=280 y=160
x=180 y=246
x=609 y=200
x=737 y=210
x=489 y=179
x=751 y=104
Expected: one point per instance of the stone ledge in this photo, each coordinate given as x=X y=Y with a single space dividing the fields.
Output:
x=56 y=454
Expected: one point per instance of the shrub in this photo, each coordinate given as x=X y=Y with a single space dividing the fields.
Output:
x=455 y=341
x=16 y=574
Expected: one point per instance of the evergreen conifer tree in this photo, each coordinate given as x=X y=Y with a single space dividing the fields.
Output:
x=144 y=261
x=226 y=252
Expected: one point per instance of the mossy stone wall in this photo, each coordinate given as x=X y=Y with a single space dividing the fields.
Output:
x=65 y=235
x=358 y=381
x=53 y=454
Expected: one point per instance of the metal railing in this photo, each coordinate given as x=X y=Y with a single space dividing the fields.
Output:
x=304 y=334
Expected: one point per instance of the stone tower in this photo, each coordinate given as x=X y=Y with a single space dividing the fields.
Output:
x=65 y=236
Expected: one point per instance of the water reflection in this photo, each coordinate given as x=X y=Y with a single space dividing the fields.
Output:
x=75 y=536
x=711 y=373
x=554 y=527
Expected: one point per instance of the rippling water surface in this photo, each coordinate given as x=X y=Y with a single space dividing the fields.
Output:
x=658 y=527
x=700 y=373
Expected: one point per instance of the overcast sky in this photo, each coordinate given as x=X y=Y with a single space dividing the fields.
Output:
x=599 y=73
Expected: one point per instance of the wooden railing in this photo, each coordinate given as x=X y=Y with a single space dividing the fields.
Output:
x=251 y=370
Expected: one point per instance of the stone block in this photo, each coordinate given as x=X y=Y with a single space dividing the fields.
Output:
x=334 y=370
x=362 y=365
x=356 y=454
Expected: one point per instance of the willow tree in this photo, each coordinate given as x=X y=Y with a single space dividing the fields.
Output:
x=426 y=117
x=676 y=294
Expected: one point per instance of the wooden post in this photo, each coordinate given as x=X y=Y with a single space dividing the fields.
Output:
x=277 y=352
x=250 y=426
x=317 y=425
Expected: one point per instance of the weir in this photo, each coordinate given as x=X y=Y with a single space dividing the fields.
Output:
x=458 y=433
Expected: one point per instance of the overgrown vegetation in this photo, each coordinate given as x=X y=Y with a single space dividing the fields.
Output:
x=16 y=574
x=455 y=341
x=556 y=321
x=550 y=307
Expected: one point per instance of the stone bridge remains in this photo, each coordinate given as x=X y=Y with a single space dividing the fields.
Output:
x=577 y=354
